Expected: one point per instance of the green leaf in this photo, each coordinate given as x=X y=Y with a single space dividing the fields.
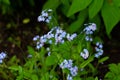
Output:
x=15 y=68
x=103 y=59
x=45 y=76
x=109 y=75
x=65 y=6
x=111 y=16
x=95 y=7
x=65 y=2
x=78 y=23
x=6 y=2
x=96 y=78
x=85 y=63
x=51 y=4
x=78 y=5
x=34 y=77
x=31 y=50
x=117 y=3
x=114 y=68
x=51 y=60
x=118 y=66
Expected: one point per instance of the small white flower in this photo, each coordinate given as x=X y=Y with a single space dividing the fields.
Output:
x=47 y=20
x=49 y=53
x=84 y=54
x=36 y=38
x=29 y=56
x=45 y=14
x=92 y=26
x=69 y=77
x=87 y=38
x=1 y=61
x=48 y=49
x=63 y=34
x=96 y=55
x=41 y=18
x=73 y=36
x=74 y=70
x=99 y=50
x=50 y=10
x=50 y=41
x=2 y=55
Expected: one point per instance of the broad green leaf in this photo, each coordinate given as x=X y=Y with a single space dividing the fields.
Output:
x=65 y=6
x=111 y=16
x=78 y=23
x=95 y=7
x=65 y=2
x=78 y=5
x=117 y=3
x=103 y=59
x=51 y=60
x=51 y=4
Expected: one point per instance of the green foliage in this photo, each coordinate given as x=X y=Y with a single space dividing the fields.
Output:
x=103 y=59
x=110 y=14
x=78 y=5
x=4 y=6
x=49 y=4
x=114 y=72
x=95 y=7
x=98 y=10
x=51 y=60
x=74 y=26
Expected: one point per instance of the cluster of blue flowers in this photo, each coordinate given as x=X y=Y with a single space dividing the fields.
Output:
x=45 y=17
x=68 y=64
x=2 y=56
x=91 y=27
x=55 y=36
x=58 y=36
x=99 y=49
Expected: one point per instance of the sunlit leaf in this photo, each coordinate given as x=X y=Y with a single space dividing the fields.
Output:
x=51 y=60
x=117 y=3
x=95 y=7
x=34 y=77
x=111 y=16
x=103 y=59
x=78 y=23
x=78 y=5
